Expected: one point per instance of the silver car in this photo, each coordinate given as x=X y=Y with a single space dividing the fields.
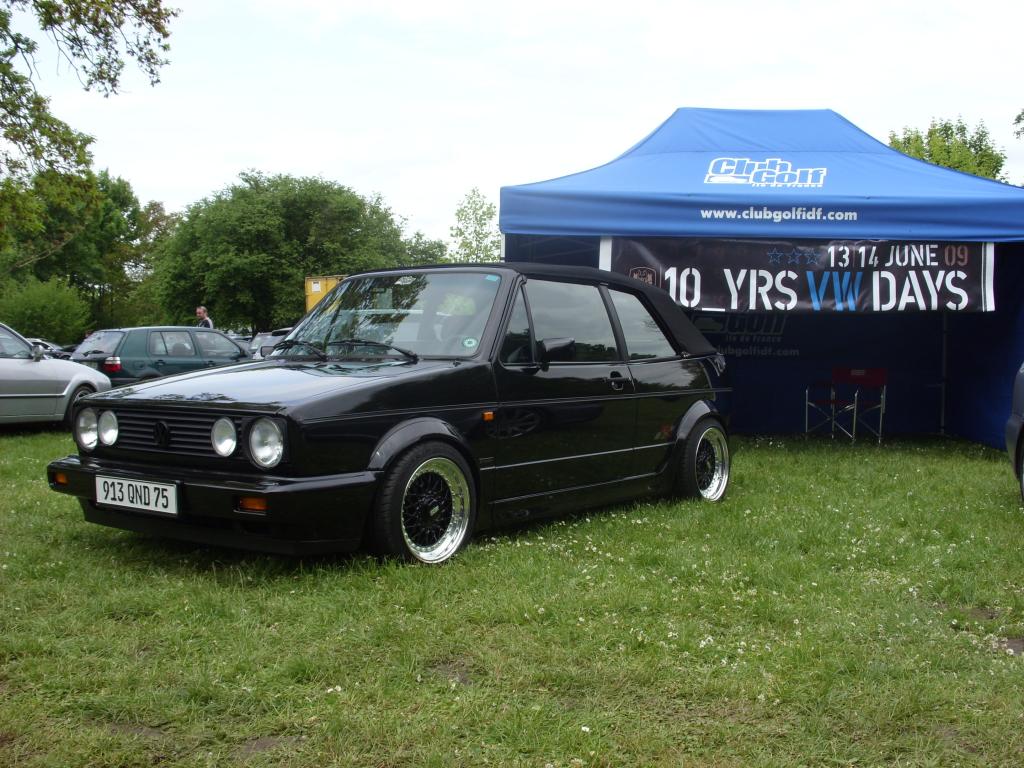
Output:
x=38 y=388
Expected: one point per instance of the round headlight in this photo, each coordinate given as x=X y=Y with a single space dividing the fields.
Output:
x=108 y=428
x=266 y=445
x=223 y=437
x=86 y=429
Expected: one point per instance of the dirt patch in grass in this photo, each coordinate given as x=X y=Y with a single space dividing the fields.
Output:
x=1014 y=645
x=264 y=744
x=954 y=738
x=982 y=614
x=7 y=739
x=455 y=671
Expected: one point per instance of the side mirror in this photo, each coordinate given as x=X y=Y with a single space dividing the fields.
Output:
x=266 y=349
x=37 y=352
x=556 y=349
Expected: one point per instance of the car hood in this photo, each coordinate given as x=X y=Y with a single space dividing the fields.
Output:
x=271 y=385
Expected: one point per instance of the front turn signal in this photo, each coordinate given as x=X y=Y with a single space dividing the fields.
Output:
x=253 y=503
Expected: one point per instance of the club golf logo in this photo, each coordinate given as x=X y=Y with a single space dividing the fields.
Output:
x=773 y=172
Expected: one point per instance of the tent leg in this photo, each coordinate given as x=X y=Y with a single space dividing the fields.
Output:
x=604 y=255
x=945 y=370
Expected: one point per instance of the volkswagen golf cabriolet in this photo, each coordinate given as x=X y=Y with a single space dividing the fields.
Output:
x=412 y=408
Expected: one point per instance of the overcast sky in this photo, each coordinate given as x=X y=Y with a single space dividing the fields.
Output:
x=421 y=101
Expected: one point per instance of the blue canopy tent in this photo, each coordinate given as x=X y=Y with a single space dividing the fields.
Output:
x=802 y=181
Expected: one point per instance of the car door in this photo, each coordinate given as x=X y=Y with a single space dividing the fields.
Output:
x=667 y=384
x=217 y=349
x=174 y=352
x=28 y=387
x=566 y=423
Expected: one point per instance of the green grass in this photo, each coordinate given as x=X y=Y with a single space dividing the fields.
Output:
x=843 y=606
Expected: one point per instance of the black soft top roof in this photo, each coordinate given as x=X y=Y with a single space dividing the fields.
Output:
x=676 y=322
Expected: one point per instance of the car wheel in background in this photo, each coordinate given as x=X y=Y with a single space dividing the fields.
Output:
x=706 y=462
x=80 y=392
x=426 y=508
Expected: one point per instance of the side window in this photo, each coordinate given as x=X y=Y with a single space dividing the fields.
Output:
x=157 y=347
x=517 y=347
x=644 y=338
x=215 y=345
x=12 y=346
x=179 y=344
x=569 y=310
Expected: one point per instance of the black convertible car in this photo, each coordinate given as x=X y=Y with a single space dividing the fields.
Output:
x=412 y=408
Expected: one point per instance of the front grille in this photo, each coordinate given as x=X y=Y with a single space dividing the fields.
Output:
x=167 y=431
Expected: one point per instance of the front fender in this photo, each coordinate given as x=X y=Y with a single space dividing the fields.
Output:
x=408 y=433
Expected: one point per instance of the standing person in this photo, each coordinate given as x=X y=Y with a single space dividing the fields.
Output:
x=203 y=318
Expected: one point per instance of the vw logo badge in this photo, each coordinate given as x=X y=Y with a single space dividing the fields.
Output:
x=162 y=434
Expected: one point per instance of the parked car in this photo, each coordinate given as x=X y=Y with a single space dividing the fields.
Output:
x=34 y=387
x=130 y=355
x=266 y=339
x=1014 y=428
x=412 y=408
x=51 y=349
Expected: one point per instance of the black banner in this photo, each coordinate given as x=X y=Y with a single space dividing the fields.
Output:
x=812 y=275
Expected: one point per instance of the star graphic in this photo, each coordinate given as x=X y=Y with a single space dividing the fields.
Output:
x=774 y=256
x=810 y=258
x=793 y=258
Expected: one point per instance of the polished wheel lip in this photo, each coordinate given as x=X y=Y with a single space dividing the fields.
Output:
x=452 y=483
x=712 y=464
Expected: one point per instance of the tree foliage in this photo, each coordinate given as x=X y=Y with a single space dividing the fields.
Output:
x=52 y=310
x=952 y=144
x=95 y=38
x=246 y=251
x=90 y=233
x=475 y=235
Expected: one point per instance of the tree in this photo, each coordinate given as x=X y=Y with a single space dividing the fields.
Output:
x=245 y=252
x=421 y=250
x=89 y=232
x=94 y=38
x=51 y=309
x=475 y=233
x=950 y=143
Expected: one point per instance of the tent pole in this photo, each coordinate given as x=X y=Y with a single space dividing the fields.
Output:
x=945 y=369
x=604 y=257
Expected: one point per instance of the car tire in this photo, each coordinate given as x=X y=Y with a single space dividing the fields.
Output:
x=69 y=413
x=707 y=462
x=426 y=507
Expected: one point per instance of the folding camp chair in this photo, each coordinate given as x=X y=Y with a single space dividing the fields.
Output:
x=854 y=396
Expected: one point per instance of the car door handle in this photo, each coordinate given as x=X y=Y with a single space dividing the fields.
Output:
x=159 y=363
x=616 y=380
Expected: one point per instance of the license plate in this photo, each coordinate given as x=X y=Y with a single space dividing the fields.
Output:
x=136 y=494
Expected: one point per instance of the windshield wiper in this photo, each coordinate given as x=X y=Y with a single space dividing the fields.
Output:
x=383 y=345
x=292 y=343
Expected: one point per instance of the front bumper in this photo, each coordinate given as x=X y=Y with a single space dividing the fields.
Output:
x=303 y=515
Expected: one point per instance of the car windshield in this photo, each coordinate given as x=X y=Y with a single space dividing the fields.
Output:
x=441 y=314
x=99 y=343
